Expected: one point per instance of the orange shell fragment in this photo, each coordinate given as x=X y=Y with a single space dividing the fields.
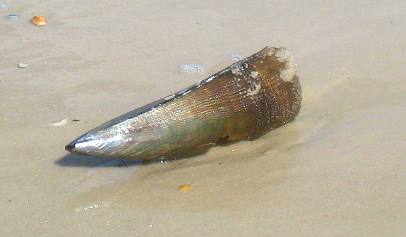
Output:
x=39 y=20
x=185 y=188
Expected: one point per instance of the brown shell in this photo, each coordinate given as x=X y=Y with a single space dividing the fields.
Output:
x=39 y=20
x=243 y=101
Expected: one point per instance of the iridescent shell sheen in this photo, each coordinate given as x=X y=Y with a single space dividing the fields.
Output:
x=241 y=102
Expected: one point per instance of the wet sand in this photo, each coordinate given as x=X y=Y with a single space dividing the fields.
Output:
x=337 y=170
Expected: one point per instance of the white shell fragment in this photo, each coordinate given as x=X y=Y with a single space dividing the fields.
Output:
x=63 y=122
x=22 y=65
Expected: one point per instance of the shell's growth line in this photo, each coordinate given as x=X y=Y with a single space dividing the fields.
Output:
x=243 y=101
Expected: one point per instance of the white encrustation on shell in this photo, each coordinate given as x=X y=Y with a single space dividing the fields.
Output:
x=255 y=91
x=236 y=70
x=254 y=74
x=284 y=56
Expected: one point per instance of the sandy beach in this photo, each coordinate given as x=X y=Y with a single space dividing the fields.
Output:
x=337 y=170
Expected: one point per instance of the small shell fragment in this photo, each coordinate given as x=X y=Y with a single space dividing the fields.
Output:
x=39 y=20
x=63 y=122
x=185 y=188
x=13 y=17
x=22 y=65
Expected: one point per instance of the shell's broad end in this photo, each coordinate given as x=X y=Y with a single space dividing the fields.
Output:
x=243 y=101
x=287 y=72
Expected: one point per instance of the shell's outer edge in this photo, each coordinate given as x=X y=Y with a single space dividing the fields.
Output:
x=242 y=101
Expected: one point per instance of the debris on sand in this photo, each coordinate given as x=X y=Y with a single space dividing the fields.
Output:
x=13 y=17
x=39 y=20
x=185 y=188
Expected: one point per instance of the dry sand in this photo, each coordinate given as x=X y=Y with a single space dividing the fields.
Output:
x=338 y=170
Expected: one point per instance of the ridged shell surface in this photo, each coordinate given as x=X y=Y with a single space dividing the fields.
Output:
x=243 y=101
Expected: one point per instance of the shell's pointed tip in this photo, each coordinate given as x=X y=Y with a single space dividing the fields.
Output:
x=70 y=146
